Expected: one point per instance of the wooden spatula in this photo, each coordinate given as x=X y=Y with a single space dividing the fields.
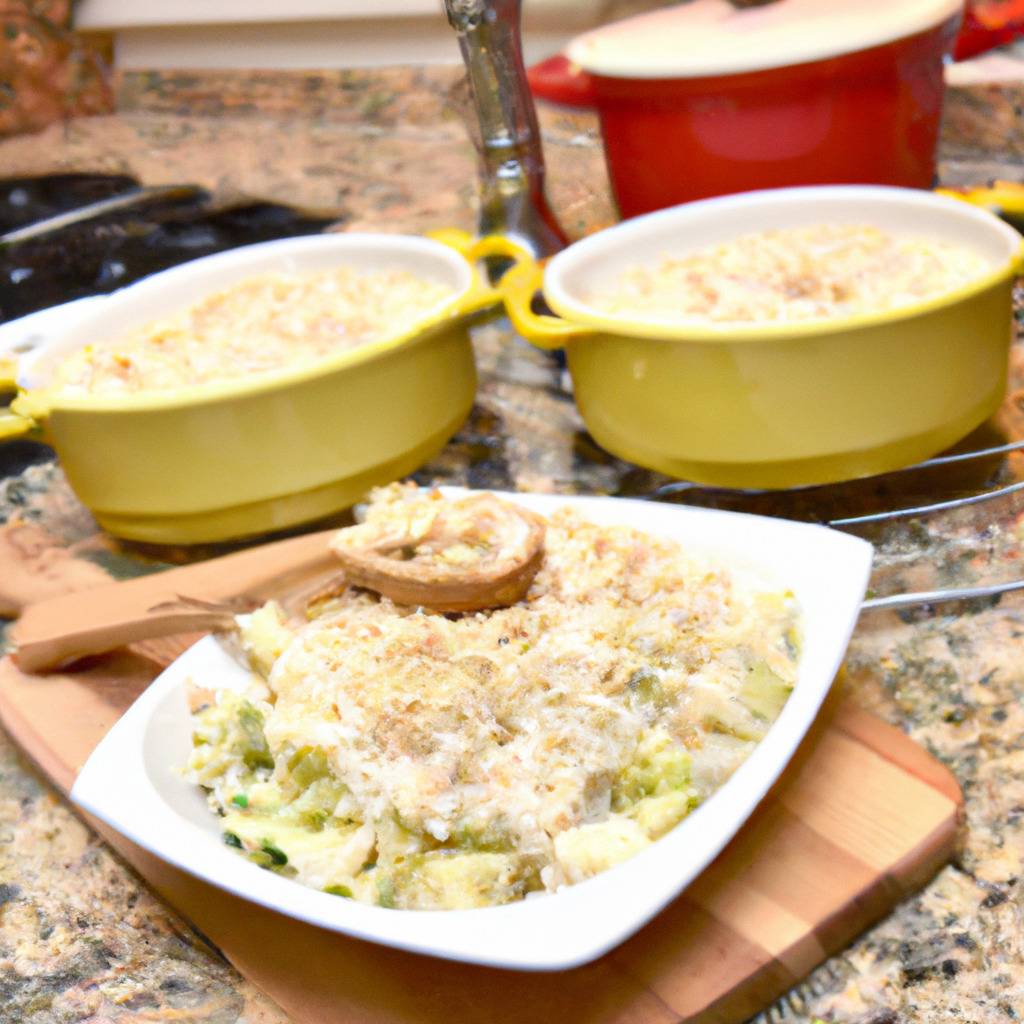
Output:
x=500 y=548
x=192 y=598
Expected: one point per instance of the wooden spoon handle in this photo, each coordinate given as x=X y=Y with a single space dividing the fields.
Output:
x=191 y=598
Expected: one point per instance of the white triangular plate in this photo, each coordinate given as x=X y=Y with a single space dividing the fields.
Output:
x=132 y=782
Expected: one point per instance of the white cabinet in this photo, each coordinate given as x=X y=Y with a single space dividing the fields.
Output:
x=307 y=33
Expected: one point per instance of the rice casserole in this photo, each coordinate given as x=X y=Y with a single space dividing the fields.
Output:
x=793 y=274
x=266 y=322
x=421 y=760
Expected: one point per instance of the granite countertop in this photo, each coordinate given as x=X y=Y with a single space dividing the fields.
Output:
x=82 y=940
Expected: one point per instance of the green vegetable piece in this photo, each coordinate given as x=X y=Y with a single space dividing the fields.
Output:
x=307 y=765
x=661 y=766
x=277 y=856
x=314 y=820
x=339 y=890
x=792 y=641
x=763 y=692
x=230 y=839
x=493 y=839
x=240 y=800
x=386 y=892
x=256 y=753
x=644 y=686
x=271 y=858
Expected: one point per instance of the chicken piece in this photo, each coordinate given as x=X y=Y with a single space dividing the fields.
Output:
x=457 y=555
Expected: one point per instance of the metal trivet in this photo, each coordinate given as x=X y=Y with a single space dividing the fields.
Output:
x=988 y=517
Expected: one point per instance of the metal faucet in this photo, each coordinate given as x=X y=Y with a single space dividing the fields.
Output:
x=512 y=199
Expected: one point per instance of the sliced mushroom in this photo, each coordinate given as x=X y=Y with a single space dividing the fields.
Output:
x=449 y=555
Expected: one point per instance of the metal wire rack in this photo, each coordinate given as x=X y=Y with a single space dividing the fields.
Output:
x=985 y=506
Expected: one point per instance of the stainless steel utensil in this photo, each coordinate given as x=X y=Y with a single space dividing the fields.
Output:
x=512 y=199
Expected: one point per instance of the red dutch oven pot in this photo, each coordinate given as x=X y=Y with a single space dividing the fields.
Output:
x=692 y=105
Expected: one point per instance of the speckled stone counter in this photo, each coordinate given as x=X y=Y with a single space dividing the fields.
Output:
x=82 y=940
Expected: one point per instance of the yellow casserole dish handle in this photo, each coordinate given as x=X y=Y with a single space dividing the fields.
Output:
x=518 y=287
x=479 y=295
x=1003 y=198
x=1006 y=196
x=11 y=424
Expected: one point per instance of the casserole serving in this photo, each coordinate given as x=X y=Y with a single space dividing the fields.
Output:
x=229 y=458
x=779 y=404
x=262 y=324
x=132 y=780
x=397 y=753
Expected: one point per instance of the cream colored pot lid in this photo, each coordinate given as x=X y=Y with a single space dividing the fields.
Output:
x=712 y=37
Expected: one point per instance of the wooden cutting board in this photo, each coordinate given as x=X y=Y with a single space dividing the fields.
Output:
x=861 y=818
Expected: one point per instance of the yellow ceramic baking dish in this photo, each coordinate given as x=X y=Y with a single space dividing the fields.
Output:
x=787 y=404
x=233 y=459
